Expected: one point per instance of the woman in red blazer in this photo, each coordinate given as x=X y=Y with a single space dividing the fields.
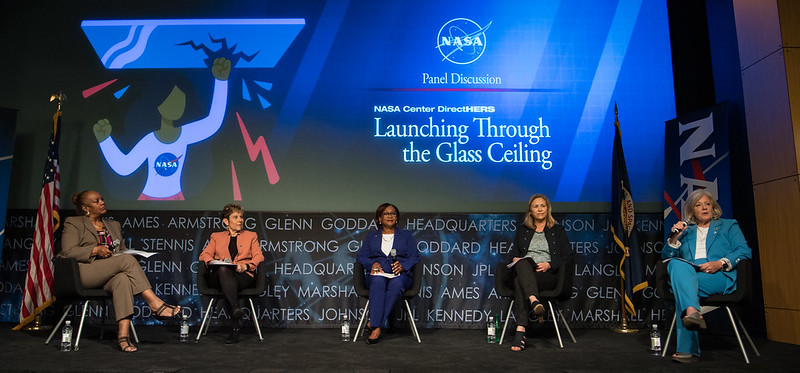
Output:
x=238 y=247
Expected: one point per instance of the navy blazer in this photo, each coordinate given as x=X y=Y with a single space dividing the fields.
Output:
x=407 y=253
x=724 y=240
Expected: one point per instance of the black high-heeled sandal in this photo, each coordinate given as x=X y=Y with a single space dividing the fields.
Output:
x=537 y=312
x=175 y=311
x=125 y=344
x=519 y=341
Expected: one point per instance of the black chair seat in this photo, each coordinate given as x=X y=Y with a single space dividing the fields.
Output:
x=563 y=291
x=743 y=294
x=359 y=284
x=67 y=288
x=205 y=289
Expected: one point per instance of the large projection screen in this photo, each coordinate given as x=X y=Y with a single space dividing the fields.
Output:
x=467 y=106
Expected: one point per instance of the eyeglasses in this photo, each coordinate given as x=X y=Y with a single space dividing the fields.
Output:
x=389 y=214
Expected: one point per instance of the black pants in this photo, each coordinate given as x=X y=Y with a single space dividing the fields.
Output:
x=229 y=281
x=528 y=282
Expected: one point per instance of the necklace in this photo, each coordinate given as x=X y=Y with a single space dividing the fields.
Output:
x=388 y=237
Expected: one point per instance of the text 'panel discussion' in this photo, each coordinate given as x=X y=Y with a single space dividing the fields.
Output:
x=400 y=186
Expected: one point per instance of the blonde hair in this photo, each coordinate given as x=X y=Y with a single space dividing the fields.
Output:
x=529 y=218
x=688 y=207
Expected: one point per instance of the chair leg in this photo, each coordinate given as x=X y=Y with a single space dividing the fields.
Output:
x=555 y=323
x=133 y=330
x=58 y=325
x=669 y=335
x=80 y=327
x=505 y=324
x=738 y=337
x=411 y=321
x=566 y=325
x=205 y=319
x=254 y=316
x=746 y=334
x=361 y=321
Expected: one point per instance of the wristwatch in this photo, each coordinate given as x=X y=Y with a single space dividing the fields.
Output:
x=725 y=265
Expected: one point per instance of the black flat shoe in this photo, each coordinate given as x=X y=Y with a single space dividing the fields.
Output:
x=237 y=313
x=233 y=337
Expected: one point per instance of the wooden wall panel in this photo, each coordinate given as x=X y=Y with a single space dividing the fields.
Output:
x=769 y=121
x=777 y=214
x=793 y=86
x=789 y=14
x=757 y=28
x=783 y=325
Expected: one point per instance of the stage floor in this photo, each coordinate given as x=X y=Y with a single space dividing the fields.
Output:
x=302 y=350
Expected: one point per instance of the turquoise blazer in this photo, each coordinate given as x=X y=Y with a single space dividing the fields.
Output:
x=725 y=240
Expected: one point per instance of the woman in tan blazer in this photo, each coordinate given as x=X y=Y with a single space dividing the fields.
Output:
x=96 y=243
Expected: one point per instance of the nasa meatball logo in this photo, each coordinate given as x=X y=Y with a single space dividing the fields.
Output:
x=166 y=164
x=462 y=41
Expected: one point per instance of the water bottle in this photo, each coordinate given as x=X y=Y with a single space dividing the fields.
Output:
x=497 y=327
x=655 y=341
x=345 y=329
x=66 y=336
x=491 y=330
x=184 y=337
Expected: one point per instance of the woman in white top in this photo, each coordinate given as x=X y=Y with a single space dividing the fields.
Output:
x=388 y=250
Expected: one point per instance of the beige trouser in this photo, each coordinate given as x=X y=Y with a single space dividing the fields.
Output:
x=120 y=275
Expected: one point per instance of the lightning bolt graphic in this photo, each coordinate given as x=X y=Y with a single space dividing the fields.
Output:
x=260 y=146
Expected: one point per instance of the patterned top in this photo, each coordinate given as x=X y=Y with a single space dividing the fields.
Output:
x=538 y=249
x=104 y=238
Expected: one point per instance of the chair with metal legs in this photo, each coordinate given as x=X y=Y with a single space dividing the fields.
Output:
x=563 y=291
x=743 y=294
x=359 y=283
x=204 y=289
x=67 y=287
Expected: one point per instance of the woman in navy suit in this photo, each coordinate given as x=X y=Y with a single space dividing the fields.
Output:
x=714 y=246
x=389 y=253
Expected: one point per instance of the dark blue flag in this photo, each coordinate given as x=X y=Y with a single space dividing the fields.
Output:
x=623 y=227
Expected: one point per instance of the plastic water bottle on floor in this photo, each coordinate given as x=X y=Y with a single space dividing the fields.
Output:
x=655 y=340
x=66 y=336
x=345 y=329
x=497 y=327
x=491 y=330
x=184 y=337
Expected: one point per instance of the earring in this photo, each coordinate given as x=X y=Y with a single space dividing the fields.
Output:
x=87 y=212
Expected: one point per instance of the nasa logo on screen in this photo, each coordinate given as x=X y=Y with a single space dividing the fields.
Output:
x=461 y=41
x=166 y=164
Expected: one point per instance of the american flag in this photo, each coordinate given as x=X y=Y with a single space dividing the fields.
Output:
x=38 y=293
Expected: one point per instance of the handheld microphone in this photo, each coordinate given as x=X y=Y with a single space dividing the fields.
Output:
x=676 y=231
x=393 y=253
x=114 y=244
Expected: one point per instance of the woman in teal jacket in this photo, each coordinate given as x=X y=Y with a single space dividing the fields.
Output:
x=710 y=248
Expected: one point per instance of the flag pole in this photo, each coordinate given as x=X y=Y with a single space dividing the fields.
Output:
x=623 y=327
